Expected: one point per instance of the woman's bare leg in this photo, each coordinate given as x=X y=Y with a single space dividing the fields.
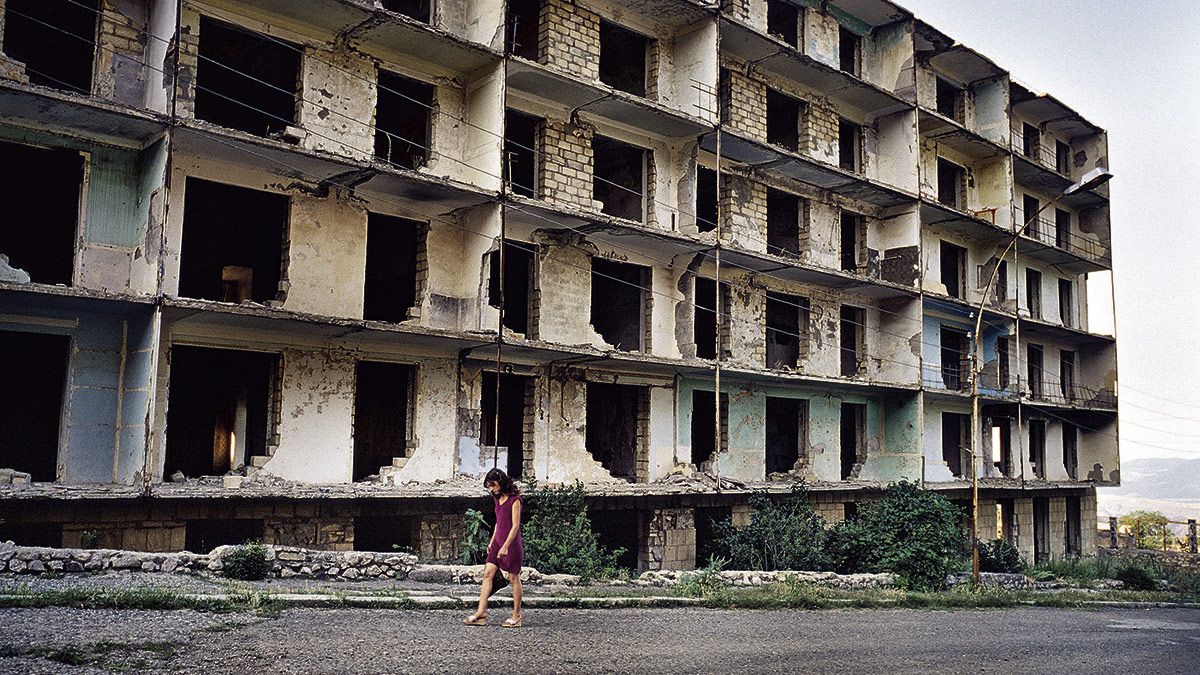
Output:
x=485 y=589
x=515 y=579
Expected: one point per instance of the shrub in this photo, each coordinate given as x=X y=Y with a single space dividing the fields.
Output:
x=706 y=582
x=247 y=562
x=1149 y=528
x=782 y=535
x=558 y=534
x=476 y=537
x=913 y=533
x=1137 y=578
x=89 y=539
x=1000 y=556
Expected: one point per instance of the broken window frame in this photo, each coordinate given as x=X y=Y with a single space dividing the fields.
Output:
x=619 y=201
x=851 y=257
x=786 y=117
x=54 y=41
x=850 y=145
x=949 y=101
x=410 y=98
x=955 y=373
x=522 y=152
x=956 y=458
x=629 y=278
x=524 y=320
x=617 y=56
x=513 y=27
x=598 y=432
x=849 y=60
x=785 y=222
x=784 y=22
x=792 y=328
x=699 y=429
x=951 y=184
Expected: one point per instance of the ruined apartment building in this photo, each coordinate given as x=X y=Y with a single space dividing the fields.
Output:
x=258 y=253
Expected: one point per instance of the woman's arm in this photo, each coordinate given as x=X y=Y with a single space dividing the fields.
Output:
x=516 y=526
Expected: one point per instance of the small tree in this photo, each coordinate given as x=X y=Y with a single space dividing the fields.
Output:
x=782 y=535
x=558 y=534
x=1149 y=528
x=914 y=533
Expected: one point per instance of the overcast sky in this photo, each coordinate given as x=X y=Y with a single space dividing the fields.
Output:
x=1134 y=69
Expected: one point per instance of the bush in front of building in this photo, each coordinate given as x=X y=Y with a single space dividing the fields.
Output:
x=913 y=533
x=477 y=535
x=558 y=534
x=248 y=562
x=785 y=534
x=1000 y=556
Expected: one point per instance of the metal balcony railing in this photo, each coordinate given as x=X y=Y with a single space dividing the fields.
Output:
x=1060 y=393
x=1042 y=153
x=1046 y=231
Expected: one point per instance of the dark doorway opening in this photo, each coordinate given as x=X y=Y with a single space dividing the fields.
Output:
x=55 y=39
x=390 y=288
x=614 y=414
x=1031 y=140
x=783 y=21
x=619 y=528
x=518 y=281
x=1033 y=292
x=520 y=156
x=954 y=357
x=849 y=51
x=619 y=182
x=1070 y=449
x=421 y=10
x=849 y=145
x=1074 y=526
x=218 y=409
x=1035 y=371
x=1041 y=529
x=403 y=115
x=787 y=329
x=1037 y=448
x=619 y=299
x=1062 y=228
x=40 y=192
x=953 y=261
x=31 y=405
x=623 y=58
x=783 y=223
x=948 y=99
x=852 y=238
x=1002 y=445
x=49 y=535
x=709 y=520
x=706 y=199
x=521 y=34
x=382 y=393
x=231 y=254
x=951 y=184
x=1062 y=157
x=853 y=320
x=385 y=534
x=516 y=394
x=783 y=119
x=244 y=80
x=704 y=321
x=1066 y=294
x=786 y=433
x=955 y=428
x=202 y=536
x=853 y=437
x=704 y=425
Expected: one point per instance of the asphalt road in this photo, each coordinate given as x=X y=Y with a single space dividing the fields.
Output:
x=621 y=641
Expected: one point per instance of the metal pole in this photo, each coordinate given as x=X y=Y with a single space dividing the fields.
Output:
x=717 y=336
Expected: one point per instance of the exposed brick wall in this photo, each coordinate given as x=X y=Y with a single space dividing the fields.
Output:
x=569 y=38
x=669 y=541
x=743 y=207
x=642 y=470
x=566 y=168
x=120 y=51
x=746 y=327
x=744 y=105
x=821 y=137
x=437 y=536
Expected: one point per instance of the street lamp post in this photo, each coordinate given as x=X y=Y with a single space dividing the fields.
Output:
x=1090 y=180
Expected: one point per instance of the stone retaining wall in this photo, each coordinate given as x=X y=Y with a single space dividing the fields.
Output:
x=1188 y=562
x=744 y=578
x=288 y=562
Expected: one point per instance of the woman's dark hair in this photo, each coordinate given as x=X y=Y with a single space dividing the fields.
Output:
x=507 y=487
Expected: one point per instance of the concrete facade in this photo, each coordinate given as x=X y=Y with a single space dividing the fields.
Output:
x=294 y=278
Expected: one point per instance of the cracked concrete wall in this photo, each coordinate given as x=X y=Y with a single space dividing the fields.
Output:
x=433 y=456
x=327 y=240
x=565 y=283
x=888 y=58
x=562 y=444
x=893 y=341
x=898 y=456
x=339 y=101
x=316 y=442
x=121 y=51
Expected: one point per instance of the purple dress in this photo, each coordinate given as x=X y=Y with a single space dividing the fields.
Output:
x=512 y=562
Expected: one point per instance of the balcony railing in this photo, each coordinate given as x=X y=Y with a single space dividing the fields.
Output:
x=1046 y=231
x=1039 y=152
x=1059 y=393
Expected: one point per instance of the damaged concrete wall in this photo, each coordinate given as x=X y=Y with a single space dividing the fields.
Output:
x=898 y=456
x=327 y=240
x=339 y=97
x=433 y=456
x=560 y=446
x=315 y=434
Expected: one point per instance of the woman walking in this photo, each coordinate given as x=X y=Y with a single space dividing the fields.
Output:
x=505 y=552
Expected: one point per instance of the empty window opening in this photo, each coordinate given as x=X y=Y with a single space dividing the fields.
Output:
x=620 y=177
x=520 y=153
x=1002 y=362
x=955 y=442
x=951 y=183
x=382 y=394
x=516 y=397
x=853 y=232
x=783 y=21
x=35 y=366
x=786 y=433
x=49 y=535
x=1070 y=449
x=1034 y=373
x=954 y=269
x=1002 y=446
x=244 y=80
x=1037 y=447
x=1062 y=228
x=623 y=58
x=218 y=409
x=706 y=199
x=521 y=34
x=849 y=145
x=385 y=534
x=231 y=254
x=615 y=427
x=783 y=222
x=403 y=117
x=849 y=510
x=849 y=50
x=202 y=536
x=421 y=10
x=853 y=438
x=1062 y=157
x=949 y=100
x=1001 y=284
x=1041 y=529
x=954 y=358
x=1066 y=373
x=784 y=117
x=1066 y=304
x=1031 y=140
x=787 y=330
x=1074 y=526
x=1033 y=292
x=704 y=426
x=1030 y=208
x=40 y=190
x=55 y=39
x=621 y=529
x=709 y=520
x=393 y=245
x=518 y=280
x=704 y=322
x=851 y=340
x=619 y=299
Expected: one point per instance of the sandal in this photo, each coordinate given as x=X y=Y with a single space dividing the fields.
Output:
x=476 y=620
x=511 y=623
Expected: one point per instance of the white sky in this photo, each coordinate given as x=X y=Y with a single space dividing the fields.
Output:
x=1133 y=68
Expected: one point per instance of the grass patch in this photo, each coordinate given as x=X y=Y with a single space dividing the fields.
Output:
x=144 y=599
x=116 y=656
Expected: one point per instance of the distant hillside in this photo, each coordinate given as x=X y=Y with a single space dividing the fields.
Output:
x=1170 y=486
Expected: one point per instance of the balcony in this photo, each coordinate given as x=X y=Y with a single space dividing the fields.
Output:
x=950 y=133
x=1070 y=395
x=1069 y=250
